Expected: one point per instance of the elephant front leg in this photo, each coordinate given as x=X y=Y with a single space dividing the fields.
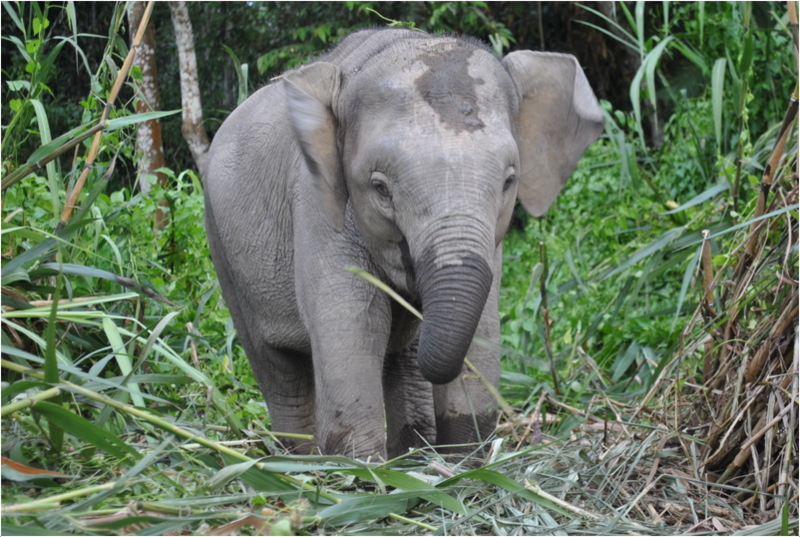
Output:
x=408 y=401
x=349 y=402
x=349 y=342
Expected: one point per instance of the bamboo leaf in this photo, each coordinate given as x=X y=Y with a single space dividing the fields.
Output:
x=87 y=431
x=228 y=473
x=51 y=374
x=123 y=360
x=717 y=98
x=664 y=240
x=504 y=482
x=126 y=121
x=700 y=198
x=687 y=280
x=359 y=508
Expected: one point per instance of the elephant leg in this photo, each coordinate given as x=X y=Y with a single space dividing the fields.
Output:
x=348 y=346
x=287 y=381
x=466 y=411
x=408 y=400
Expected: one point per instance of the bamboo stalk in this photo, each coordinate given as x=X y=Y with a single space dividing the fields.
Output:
x=709 y=362
x=766 y=185
x=55 y=501
x=414 y=522
x=787 y=317
x=72 y=199
x=29 y=401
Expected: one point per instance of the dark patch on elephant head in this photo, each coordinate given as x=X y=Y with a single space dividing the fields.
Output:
x=450 y=90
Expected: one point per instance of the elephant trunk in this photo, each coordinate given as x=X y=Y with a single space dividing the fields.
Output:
x=453 y=298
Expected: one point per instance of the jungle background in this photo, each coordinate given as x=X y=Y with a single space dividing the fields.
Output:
x=649 y=319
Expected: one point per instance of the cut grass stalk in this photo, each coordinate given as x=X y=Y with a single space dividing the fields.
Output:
x=29 y=401
x=55 y=501
x=413 y=522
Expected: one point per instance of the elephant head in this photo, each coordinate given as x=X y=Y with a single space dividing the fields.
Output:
x=429 y=143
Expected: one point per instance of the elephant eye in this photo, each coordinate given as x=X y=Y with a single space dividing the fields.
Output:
x=381 y=188
x=509 y=181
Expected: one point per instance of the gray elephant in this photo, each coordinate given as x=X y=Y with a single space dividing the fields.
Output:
x=401 y=154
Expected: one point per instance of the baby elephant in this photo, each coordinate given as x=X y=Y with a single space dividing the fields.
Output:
x=401 y=154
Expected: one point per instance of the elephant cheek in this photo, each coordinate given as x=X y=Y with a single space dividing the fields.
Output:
x=453 y=298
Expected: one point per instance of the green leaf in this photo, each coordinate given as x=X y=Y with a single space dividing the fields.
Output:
x=688 y=274
x=123 y=360
x=700 y=198
x=126 y=121
x=624 y=361
x=87 y=431
x=51 y=374
x=717 y=98
x=661 y=242
x=229 y=472
x=261 y=480
x=51 y=146
x=392 y=478
x=504 y=482
x=368 y=507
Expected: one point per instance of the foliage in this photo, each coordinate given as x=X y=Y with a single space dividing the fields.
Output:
x=156 y=404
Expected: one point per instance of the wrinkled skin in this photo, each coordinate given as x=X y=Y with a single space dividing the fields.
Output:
x=401 y=154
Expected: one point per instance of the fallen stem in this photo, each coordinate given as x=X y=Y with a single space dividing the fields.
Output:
x=55 y=501
x=29 y=401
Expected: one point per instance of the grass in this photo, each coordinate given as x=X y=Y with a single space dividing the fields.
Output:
x=649 y=336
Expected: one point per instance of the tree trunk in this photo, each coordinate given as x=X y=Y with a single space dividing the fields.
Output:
x=194 y=132
x=148 y=135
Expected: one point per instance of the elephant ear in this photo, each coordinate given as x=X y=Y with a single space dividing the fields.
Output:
x=310 y=92
x=559 y=118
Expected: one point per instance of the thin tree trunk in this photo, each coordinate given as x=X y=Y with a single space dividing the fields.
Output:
x=194 y=132
x=148 y=135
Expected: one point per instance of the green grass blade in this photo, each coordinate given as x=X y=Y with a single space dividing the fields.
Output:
x=701 y=17
x=661 y=242
x=88 y=432
x=651 y=62
x=747 y=223
x=228 y=473
x=126 y=121
x=52 y=176
x=51 y=373
x=402 y=481
x=123 y=360
x=639 y=13
x=367 y=507
x=504 y=482
x=717 y=98
x=687 y=280
x=700 y=198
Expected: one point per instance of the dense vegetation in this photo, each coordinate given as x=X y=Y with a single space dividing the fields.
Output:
x=649 y=319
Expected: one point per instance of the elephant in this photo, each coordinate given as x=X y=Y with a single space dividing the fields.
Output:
x=401 y=154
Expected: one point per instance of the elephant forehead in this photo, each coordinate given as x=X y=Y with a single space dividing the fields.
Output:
x=450 y=89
